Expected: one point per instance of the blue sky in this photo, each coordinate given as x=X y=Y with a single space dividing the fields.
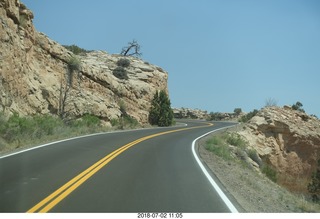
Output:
x=220 y=55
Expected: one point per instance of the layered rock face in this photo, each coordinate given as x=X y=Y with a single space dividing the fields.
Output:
x=289 y=141
x=34 y=70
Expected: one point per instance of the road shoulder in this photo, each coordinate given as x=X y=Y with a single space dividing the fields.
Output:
x=253 y=191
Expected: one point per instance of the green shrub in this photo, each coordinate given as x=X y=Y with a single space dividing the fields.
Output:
x=237 y=111
x=124 y=122
x=248 y=116
x=29 y=129
x=75 y=49
x=217 y=145
x=215 y=140
x=3 y=143
x=298 y=106
x=74 y=63
x=2 y=122
x=216 y=116
x=121 y=73
x=269 y=172
x=254 y=156
x=123 y=62
x=45 y=125
x=130 y=121
x=86 y=121
x=114 y=122
x=16 y=128
x=236 y=140
x=91 y=120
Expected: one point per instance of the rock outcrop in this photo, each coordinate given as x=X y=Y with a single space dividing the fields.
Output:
x=186 y=113
x=33 y=70
x=289 y=141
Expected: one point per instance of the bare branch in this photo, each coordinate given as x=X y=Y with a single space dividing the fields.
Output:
x=134 y=45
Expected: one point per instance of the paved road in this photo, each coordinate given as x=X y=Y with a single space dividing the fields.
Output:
x=152 y=170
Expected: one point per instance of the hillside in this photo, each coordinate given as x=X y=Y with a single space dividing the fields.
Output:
x=34 y=75
x=271 y=158
x=288 y=141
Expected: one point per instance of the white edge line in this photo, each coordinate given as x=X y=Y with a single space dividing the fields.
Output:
x=78 y=137
x=213 y=183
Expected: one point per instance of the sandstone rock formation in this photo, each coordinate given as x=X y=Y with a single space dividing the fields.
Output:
x=33 y=67
x=186 y=113
x=289 y=141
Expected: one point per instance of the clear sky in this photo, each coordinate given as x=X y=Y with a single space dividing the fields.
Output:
x=220 y=55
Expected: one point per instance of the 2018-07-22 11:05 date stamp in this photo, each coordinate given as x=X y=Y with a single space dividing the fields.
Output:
x=160 y=215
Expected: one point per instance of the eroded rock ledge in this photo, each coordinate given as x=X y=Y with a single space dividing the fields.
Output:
x=33 y=66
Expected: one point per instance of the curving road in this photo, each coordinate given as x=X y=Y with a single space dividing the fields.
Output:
x=149 y=170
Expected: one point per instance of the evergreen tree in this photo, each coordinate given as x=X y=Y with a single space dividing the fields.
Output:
x=160 y=112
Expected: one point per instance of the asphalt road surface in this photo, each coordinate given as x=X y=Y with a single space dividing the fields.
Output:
x=149 y=170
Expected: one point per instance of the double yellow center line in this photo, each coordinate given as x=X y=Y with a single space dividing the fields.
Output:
x=53 y=199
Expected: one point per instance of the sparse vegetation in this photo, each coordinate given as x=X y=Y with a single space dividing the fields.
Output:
x=87 y=120
x=17 y=131
x=253 y=154
x=227 y=164
x=237 y=111
x=269 y=172
x=23 y=20
x=236 y=140
x=73 y=65
x=215 y=116
x=222 y=145
x=248 y=116
x=20 y=131
x=257 y=194
x=125 y=63
x=298 y=106
x=314 y=185
x=217 y=145
x=271 y=102
x=76 y=49
x=125 y=121
x=121 y=73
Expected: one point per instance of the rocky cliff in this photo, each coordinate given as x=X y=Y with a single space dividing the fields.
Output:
x=289 y=141
x=33 y=71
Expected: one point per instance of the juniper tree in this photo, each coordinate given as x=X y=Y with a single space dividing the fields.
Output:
x=160 y=112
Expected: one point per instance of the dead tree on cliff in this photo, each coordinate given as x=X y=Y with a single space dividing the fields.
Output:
x=134 y=49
